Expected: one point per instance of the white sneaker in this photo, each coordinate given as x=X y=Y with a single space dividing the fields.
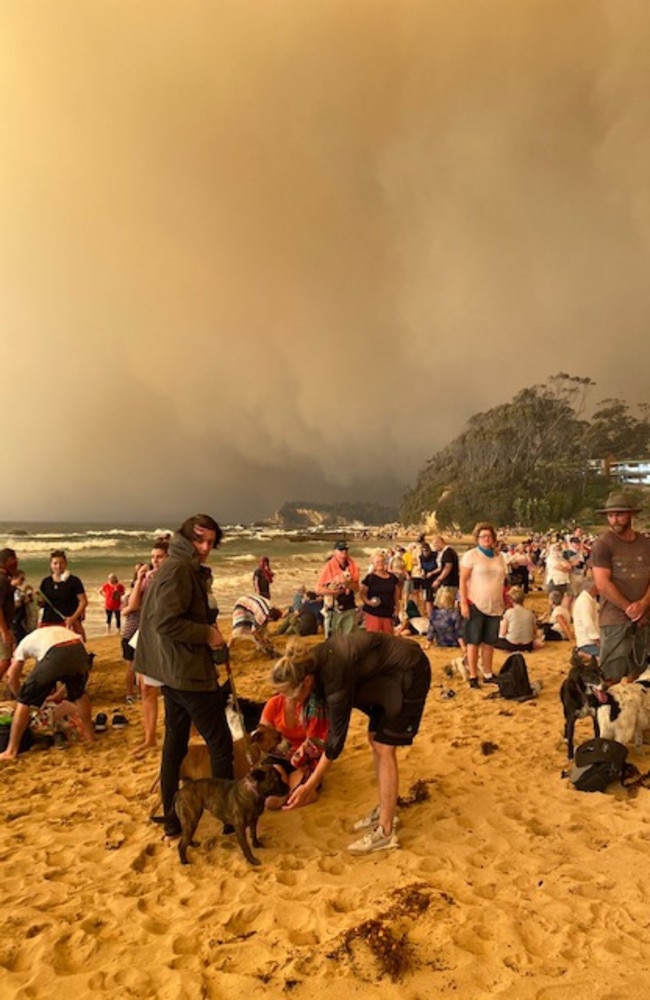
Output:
x=376 y=840
x=370 y=821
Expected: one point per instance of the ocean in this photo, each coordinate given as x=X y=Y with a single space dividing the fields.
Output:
x=95 y=550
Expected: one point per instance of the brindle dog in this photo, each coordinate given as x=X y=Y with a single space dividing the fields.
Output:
x=238 y=803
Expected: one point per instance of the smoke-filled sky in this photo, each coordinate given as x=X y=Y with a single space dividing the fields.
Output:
x=267 y=250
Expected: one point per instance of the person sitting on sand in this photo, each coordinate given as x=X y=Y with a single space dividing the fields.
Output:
x=445 y=622
x=388 y=679
x=412 y=623
x=301 y=718
x=304 y=620
x=558 y=626
x=518 y=631
x=60 y=656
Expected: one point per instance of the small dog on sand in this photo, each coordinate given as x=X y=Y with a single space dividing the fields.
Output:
x=238 y=803
x=196 y=763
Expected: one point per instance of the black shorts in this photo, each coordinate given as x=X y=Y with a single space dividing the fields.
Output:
x=399 y=730
x=68 y=664
x=128 y=652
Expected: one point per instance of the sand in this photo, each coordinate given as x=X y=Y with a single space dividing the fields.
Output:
x=508 y=882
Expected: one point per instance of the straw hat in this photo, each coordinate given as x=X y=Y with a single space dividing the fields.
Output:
x=620 y=502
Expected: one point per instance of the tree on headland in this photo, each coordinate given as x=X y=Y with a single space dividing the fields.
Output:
x=527 y=461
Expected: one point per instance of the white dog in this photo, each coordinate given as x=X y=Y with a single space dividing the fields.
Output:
x=627 y=712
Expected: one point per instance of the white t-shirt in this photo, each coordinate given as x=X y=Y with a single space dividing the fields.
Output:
x=558 y=613
x=40 y=641
x=486 y=579
x=556 y=568
x=585 y=619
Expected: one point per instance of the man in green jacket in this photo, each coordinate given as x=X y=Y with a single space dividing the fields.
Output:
x=175 y=646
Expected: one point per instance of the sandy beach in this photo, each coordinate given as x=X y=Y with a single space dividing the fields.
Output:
x=508 y=882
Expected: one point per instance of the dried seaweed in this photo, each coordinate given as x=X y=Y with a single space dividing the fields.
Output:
x=393 y=954
x=389 y=946
x=418 y=792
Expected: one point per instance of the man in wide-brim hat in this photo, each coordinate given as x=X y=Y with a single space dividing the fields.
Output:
x=620 y=502
x=621 y=565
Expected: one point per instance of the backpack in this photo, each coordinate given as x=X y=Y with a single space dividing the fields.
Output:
x=598 y=763
x=513 y=680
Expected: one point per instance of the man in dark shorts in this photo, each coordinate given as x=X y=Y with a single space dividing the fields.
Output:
x=388 y=679
x=620 y=560
x=60 y=656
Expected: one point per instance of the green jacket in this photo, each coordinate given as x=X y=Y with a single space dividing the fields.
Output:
x=174 y=630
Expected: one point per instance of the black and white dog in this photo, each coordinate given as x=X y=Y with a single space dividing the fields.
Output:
x=582 y=692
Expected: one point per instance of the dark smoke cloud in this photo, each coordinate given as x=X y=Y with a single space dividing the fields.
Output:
x=263 y=251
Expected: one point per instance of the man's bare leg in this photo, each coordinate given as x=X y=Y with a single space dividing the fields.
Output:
x=385 y=760
x=19 y=724
x=472 y=660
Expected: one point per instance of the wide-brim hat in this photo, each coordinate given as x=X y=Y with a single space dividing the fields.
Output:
x=622 y=502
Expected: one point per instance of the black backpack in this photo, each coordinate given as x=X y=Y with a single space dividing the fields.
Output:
x=598 y=763
x=513 y=680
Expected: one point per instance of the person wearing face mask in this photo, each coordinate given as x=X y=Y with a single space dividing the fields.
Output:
x=62 y=596
x=483 y=572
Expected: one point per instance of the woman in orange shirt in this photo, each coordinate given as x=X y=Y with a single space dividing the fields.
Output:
x=302 y=720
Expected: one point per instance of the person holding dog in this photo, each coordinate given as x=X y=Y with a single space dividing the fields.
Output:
x=620 y=560
x=338 y=583
x=385 y=677
x=175 y=645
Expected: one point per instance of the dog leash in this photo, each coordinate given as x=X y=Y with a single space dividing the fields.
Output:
x=41 y=597
x=239 y=713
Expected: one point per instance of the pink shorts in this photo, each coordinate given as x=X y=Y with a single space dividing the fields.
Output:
x=375 y=624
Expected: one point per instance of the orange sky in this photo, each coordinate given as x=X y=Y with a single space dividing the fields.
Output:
x=260 y=250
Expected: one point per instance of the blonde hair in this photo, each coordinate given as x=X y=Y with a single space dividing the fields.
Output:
x=516 y=595
x=292 y=668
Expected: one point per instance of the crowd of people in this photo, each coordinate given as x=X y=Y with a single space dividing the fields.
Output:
x=598 y=599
